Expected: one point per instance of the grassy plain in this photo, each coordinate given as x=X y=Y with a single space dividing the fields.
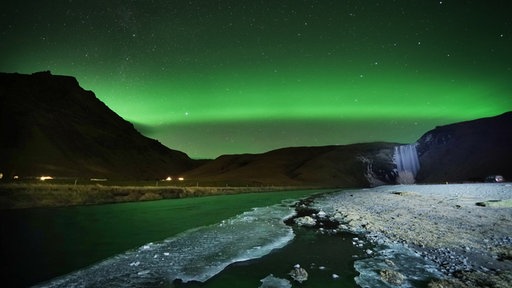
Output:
x=31 y=194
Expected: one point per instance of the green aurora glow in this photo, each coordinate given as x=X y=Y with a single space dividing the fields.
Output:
x=218 y=77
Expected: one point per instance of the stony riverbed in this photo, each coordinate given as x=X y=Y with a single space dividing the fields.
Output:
x=465 y=230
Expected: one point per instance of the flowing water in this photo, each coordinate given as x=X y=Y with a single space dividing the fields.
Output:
x=195 y=255
x=41 y=244
x=222 y=241
x=328 y=260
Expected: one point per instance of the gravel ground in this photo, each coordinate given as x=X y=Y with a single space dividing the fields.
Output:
x=453 y=225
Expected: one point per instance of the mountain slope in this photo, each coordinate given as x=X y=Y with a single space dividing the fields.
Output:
x=327 y=166
x=51 y=126
x=467 y=151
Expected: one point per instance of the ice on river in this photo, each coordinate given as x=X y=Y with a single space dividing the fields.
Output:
x=196 y=254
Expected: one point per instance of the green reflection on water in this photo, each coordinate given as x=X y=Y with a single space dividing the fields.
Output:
x=40 y=244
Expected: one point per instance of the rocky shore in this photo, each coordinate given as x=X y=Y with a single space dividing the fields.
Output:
x=463 y=229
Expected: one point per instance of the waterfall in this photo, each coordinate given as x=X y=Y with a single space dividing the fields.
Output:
x=407 y=162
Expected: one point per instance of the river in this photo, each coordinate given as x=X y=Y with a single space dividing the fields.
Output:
x=217 y=240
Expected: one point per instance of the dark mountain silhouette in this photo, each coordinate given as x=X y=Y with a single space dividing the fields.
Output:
x=467 y=151
x=51 y=126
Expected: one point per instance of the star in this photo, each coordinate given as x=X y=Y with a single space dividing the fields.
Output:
x=223 y=61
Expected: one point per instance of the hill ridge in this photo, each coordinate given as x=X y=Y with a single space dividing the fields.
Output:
x=50 y=125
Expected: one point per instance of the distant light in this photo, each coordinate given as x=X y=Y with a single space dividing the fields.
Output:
x=168 y=178
x=43 y=178
x=16 y=177
x=1 y=175
x=181 y=178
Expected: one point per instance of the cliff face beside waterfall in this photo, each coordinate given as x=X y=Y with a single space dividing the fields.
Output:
x=460 y=152
x=356 y=165
x=467 y=151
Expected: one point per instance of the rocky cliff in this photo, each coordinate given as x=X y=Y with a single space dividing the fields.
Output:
x=356 y=165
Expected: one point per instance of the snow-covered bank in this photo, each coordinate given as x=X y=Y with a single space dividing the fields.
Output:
x=443 y=223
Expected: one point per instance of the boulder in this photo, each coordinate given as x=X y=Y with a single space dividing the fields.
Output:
x=299 y=274
x=307 y=221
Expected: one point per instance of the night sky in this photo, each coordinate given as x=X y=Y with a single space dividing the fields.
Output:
x=223 y=77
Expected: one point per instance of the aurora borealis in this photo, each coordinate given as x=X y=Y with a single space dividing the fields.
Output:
x=222 y=77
